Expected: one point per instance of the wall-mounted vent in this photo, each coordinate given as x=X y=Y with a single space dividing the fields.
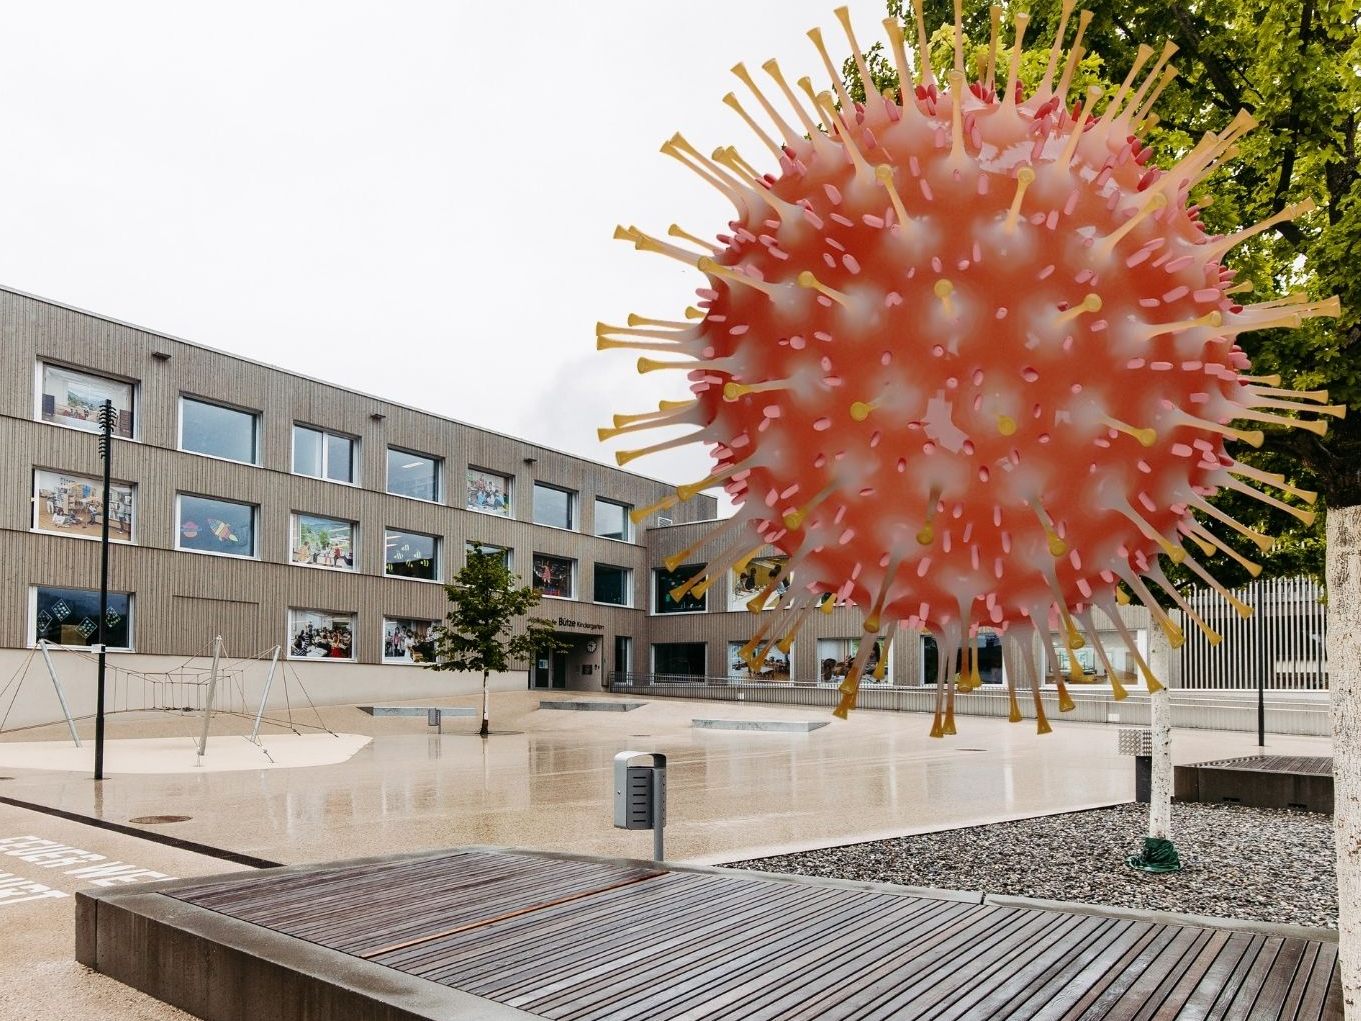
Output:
x=661 y=521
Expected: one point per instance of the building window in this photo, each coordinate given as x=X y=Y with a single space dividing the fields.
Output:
x=613 y=585
x=408 y=641
x=768 y=575
x=74 y=505
x=678 y=660
x=775 y=666
x=413 y=475
x=487 y=492
x=500 y=552
x=209 y=525
x=664 y=582
x=73 y=399
x=623 y=657
x=553 y=506
x=836 y=656
x=553 y=575
x=70 y=616
x=411 y=555
x=320 y=454
x=612 y=520
x=989 y=660
x=323 y=542
x=320 y=634
x=219 y=431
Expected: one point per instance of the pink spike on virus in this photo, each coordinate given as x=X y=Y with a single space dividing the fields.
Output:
x=965 y=356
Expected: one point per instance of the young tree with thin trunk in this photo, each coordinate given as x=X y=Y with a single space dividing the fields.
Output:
x=487 y=627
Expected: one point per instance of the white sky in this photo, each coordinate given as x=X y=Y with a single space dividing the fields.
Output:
x=414 y=199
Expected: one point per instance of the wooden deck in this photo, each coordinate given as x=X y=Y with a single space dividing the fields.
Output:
x=1262 y=781
x=1307 y=765
x=590 y=940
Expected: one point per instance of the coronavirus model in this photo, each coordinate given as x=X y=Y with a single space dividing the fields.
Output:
x=966 y=357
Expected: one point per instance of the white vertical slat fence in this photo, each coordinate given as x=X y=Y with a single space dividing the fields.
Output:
x=1284 y=641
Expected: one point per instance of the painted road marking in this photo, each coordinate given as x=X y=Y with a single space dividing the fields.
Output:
x=89 y=867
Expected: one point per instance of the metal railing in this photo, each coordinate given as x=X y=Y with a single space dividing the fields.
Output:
x=1304 y=713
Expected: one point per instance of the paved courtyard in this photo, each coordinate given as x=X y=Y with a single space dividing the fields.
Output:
x=543 y=783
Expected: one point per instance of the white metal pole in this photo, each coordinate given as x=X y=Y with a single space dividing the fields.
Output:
x=61 y=695
x=269 y=681
x=212 y=692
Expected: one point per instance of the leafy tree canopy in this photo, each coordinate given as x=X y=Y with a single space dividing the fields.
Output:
x=1295 y=65
x=487 y=628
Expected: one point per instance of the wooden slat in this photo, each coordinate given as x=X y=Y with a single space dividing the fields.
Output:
x=575 y=940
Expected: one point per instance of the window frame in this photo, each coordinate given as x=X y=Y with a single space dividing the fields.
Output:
x=573 y=506
x=655 y=600
x=576 y=585
x=134 y=396
x=254 y=527
x=383 y=638
x=438 y=462
x=32 y=639
x=354 y=634
x=355 y=459
x=625 y=510
x=652 y=659
x=628 y=584
x=257 y=433
x=734 y=645
x=509 y=480
x=295 y=535
x=509 y=551
x=131 y=487
x=436 y=556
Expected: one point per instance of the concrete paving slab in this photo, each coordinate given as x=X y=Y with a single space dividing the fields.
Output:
x=40 y=978
x=416 y=710
x=766 y=726
x=731 y=795
x=576 y=705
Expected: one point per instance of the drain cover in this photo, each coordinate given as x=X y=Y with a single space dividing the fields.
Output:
x=972 y=749
x=154 y=820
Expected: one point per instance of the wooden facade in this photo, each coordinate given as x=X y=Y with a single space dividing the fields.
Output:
x=182 y=599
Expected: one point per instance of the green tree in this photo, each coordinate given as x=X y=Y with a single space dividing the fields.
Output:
x=1296 y=67
x=486 y=628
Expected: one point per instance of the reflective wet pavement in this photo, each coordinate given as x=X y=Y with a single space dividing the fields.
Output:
x=544 y=782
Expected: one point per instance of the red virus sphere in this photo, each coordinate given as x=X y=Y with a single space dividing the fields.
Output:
x=966 y=356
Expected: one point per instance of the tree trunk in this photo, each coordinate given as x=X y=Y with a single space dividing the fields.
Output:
x=1160 y=725
x=1160 y=793
x=1344 y=679
x=486 y=708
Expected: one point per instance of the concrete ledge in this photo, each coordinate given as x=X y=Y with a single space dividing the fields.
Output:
x=572 y=705
x=768 y=726
x=416 y=710
x=1227 y=782
x=222 y=969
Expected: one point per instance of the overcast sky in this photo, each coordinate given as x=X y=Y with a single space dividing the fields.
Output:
x=414 y=199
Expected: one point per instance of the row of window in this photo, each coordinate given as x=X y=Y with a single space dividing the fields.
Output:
x=70 y=617
x=72 y=505
x=835 y=657
x=72 y=398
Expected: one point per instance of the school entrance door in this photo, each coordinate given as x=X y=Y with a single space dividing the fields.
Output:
x=550 y=671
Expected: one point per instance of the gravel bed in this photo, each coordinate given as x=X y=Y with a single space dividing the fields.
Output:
x=1251 y=863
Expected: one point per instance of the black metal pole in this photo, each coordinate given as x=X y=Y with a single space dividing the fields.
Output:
x=106 y=452
x=1261 y=708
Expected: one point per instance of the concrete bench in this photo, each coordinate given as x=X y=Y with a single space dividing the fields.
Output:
x=590 y=707
x=417 y=710
x=767 y=726
x=1260 y=781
